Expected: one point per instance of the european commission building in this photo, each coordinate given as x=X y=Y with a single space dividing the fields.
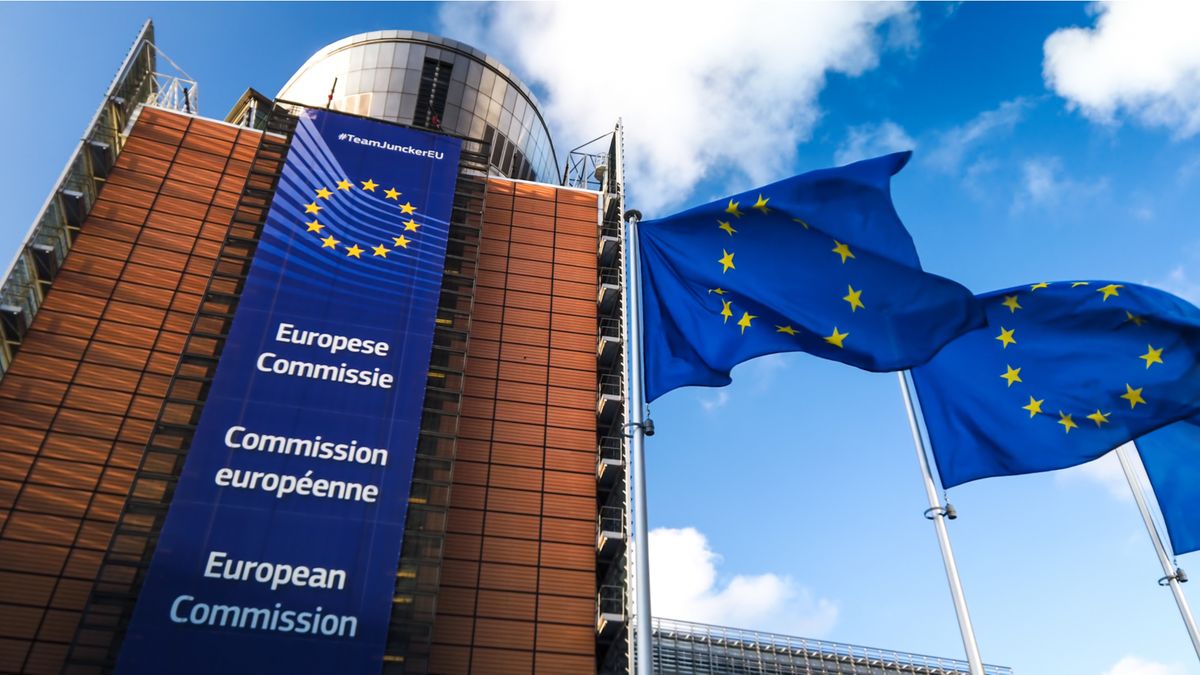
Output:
x=333 y=384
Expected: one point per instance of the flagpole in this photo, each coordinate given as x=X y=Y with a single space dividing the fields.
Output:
x=937 y=514
x=636 y=424
x=1171 y=574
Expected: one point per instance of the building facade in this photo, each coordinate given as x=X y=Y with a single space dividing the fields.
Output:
x=118 y=307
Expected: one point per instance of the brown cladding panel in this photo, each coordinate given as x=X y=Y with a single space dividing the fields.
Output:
x=531 y=386
x=89 y=349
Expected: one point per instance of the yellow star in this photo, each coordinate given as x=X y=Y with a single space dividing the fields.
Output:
x=1134 y=396
x=411 y=226
x=797 y=220
x=842 y=250
x=407 y=208
x=1010 y=301
x=1152 y=356
x=1013 y=375
x=837 y=338
x=727 y=261
x=314 y=226
x=344 y=184
x=401 y=242
x=761 y=205
x=1065 y=420
x=329 y=242
x=1137 y=320
x=724 y=225
x=1034 y=407
x=354 y=251
x=1109 y=290
x=369 y=185
x=1099 y=418
x=1079 y=283
x=391 y=193
x=1038 y=285
x=324 y=194
x=853 y=299
x=785 y=329
x=726 y=311
x=1006 y=337
x=380 y=251
x=312 y=208
x=744 y=322
x=718 y=291
x=732 y=209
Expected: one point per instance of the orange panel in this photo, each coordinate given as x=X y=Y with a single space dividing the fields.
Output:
x=58 y=473
x=498 y=524
x=514 y=432
x=453 y=600
x=501 y=662
x=517 y=454
x=530 y=413
x=558 y=609
x=568 y=531
x=567 y=460
x=583 y=508
x=32 y=589
x=513 y=501
x=569 y=556
x=507 y=605
x=40 y=528
x=22 y=622
x=575 y=583
x=560 y=638
x=522 y=392
x=446 y=659
x=504 y=633
x=20 y=440
x=519 y=578
x=555 y=664
x=453 y=630
x=515 y=477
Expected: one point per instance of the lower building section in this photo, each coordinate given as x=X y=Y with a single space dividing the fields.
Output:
x=682 y=647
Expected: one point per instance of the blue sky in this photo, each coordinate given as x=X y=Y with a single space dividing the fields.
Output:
x=791 y=500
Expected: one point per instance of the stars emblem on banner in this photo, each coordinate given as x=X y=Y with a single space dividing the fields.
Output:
x=320 y=225
x=1012 y=376
x=747 y=220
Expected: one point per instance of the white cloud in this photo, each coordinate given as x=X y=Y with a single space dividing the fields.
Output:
x=872 y=140
x=1180 y=282
x=1132 y=665
x=1105 y=471
x=1044 y=184
x=715 y=402
x=711 y=90
x=684 y=585
x=1140 y=58
x=953 y=146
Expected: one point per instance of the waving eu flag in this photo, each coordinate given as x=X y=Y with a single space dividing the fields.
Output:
x=819 y=263
x=1171 y=456
x=1063 y=373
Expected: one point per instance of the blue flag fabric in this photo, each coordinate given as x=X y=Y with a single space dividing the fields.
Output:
x=818 y=263
x=1171 y=456
x=1062 y=373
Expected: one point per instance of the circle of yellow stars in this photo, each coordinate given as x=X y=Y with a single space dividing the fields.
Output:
x=729 y=216
x=354 y=250
x=1007 y=338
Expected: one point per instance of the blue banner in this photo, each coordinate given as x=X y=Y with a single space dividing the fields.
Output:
x=280 y=549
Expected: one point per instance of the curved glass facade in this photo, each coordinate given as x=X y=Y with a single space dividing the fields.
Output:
x=432 y=82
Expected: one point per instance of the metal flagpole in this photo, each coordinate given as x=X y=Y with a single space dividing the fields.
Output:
x=637 y=428
x=938 y=514
x=1172 y=575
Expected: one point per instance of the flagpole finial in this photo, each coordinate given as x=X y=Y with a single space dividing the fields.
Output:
x=633 y=213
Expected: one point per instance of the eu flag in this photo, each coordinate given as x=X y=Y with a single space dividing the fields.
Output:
x=1062 y=373
x=819 y=263
x=1171 y=456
